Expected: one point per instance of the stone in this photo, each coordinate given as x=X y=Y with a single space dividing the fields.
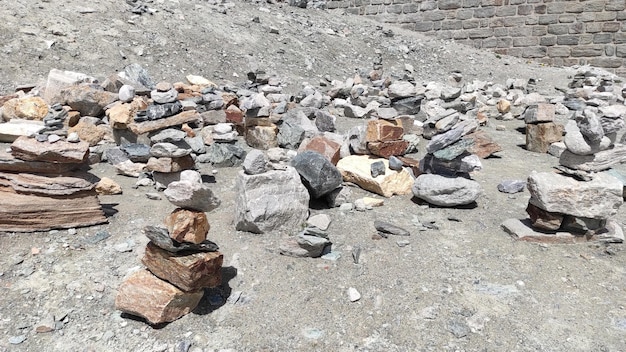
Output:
x=383 y=130
x=557 y=148
x=446 y=191
x=408 y=106
x=13 y=129
x=443 y=140
x=503 y=106
x=324 y=121
x=395 y=163
x=356 y=140
x=356 y=112
x=255 y=162
x=388 y=148
x=164 y=97
x=390 y=229
x=321 y=221
x=484 y=146
x=290 y=135
x=260 y=205
x=539 y=136
x=302 y=246
x=318 y=174
x=184 y=117
x=357 y=169
x=155 y=300
x=387 y=113
x=254 y=102
x=401 y=89
x=338 y=196
x=511 y=186
x=159 y=111
x=377 y=169
x=539 y=113
x=522 y=230
x=188 y=272
x=576 y=224
x=170 y=164
x=454 y=150
x=139 y=75
x=353 y=294
x=121 y=115
x=186 y=225
x=324 y=146
x=262 y=137
x=107 y=186
x=137 y=152
x=30 y=149
x=129 y=168
x=87 y=100
x=169 y=135
x=126 y=93
x=612 y=233
x=89 y=132
x=223 y=154
x=599 y=198
x=27 y=108
x=578 y=144
x=170 y=150
x=597 y=162
x=161 y=238
x=191 y=195
x=462 y=165
x=544 y=220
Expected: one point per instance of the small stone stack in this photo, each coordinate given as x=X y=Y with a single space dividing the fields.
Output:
x=170 y=154
x=385 y=137
x=180 y=262
x=541 y=130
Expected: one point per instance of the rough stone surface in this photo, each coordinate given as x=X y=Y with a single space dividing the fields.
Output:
x=108 y=187
x=153 y=299
x=318 y=174
x=357 y=169
x=255 y=162
x=324 y=146
x=388 y=148
x=599 y=198
x=30 y=149
x=540 y=136
x=600 y=161
x=544 y=220
x=191 y=195
x=186 y=225
x=260 y=205
x=446 y=191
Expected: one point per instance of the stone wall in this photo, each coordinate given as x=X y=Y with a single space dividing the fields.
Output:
x=552 y=32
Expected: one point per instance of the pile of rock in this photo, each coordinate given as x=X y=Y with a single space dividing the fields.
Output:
x=180 y=261
x=541 y=129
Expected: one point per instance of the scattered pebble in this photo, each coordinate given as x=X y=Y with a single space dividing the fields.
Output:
x=403 y=243
x=153 y=196
x=16 y=340
x=353 y=294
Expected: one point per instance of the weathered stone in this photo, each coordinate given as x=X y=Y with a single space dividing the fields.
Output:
x=233 y=115
x=511 y=186
x=290 y=135
x=164 y=97
x=107 y=186
x=323 y=145
x=170 y=150
x=544 y=220
x=443 y=140
x=11 y=164
x=138 y=75
x=503 y=106
x=170 y=135
x=186 y=225
x=539 y=136
x=446 y=191
x=383 y=130
x=462 y=165
x=357 y=169
x=401 y=89
x=137 y=152
x=126 y=93
x=176 y=120
x=262 y=137
x=598 y=199
x=28 y=108
x=318 y=174
x=356 y=112
x=153 y=299
x=484 y=145
x=522 y=230
x=223 y=154
x=388 y=228
x=395 y=163
x=58 y=80
x=86 y=99
x=388 y=148
x=454 y=150
x=408 y=106
x=260 y=206
x=302 y=245
x=539 y=113
x=324 y=121
x=10 y=131
x=30 y=149
x=377 y=169
x=578 y=144
x=129 y=168
x=255 y=162
x=89 y=132
x=600 y=161
x=577 y=224
x=356 y=140
x=166 y=164
x=191 y=195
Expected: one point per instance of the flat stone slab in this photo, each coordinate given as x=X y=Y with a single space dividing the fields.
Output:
x=10 y=131
x=599 y=161
x=521 y=230
x=12 y=164
x=155 y=125
x=29 y=149
x=357 y=169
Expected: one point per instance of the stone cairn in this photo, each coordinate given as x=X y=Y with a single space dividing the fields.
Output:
x=180 y=261
x=577 y=204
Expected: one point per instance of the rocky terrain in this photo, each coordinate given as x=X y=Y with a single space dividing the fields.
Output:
x=459 y=282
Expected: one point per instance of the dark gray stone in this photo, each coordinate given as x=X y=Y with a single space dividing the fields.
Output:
x=159 y=111
x=590 y=126
x=387 y=228
x=395 y=163
x=224 y=154
x=408 y=106
x=443 y=140
x=377 y=168
x=290 y=135
x=453 y=151
x=255 y=162
x=446 y=191
x=137 y=152
x=115 y=155
x=324 y=121
x=318 y=174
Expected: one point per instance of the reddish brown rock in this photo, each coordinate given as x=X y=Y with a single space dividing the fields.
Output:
x=187 y=225
x=384 y=130
x=483 y=146
x=59 y=152
x=168 y=165
x=328 y=148
x=234 y=115
x=539 y=136
x=544 y=220
x=389 y=148
x=153 y=299
x=189 y=272
x=262 y=137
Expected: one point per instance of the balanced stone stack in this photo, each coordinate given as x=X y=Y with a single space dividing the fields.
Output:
x=541 y=130
x=180 y=261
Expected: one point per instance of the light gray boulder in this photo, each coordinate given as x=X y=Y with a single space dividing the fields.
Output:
x=446 y=191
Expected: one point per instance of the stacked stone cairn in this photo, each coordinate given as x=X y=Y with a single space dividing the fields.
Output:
x=577 y=204
x=180 y=261
x=541 y=129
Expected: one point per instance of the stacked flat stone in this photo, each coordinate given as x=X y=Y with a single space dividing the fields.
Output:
x=180 y=261
x=541 y=130
x=170 y=154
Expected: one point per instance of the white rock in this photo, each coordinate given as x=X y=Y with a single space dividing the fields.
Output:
x=353 y=294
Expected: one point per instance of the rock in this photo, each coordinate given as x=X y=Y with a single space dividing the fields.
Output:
x=544 y=220
x=191 y=195
x=139 y=128
x=357 y=169
x=122 y=114
x=338 y=196
x=16 y=340
x=446 y=191
x=324 y=146
x=557 y=148
x=137 y=152
x=290 y=135
x=353 y=294
x=170 y=164
x=27 y=108
x=187 y=225
x=318 y=174
x=126 y=93
x=401 y=89
x=540 y=136
x=87 y=100
x=521 y=230
x=129 y=168
x=321 y=221
x=255 y=162
x=600 y=161
x=324 y=121
x=483 y=146
x=503 y=106
x=30 y=149
x=590 y=126
x=9 y=163
x=578 y=144
x=169 y=135
x=443 y=140
x=599 y=198
x=383 y=130
x=356 y=140
x=161 y=238
x=164 y=97
x=377 y=169
x=262 y=137
x=145 y=295
x=388 y=148
x=512 y=186
x=302 y=246
x=159 y=111
x=462 y=165
x=408 y=106
x=539 y=113
x=356 y=112
x=259 y=206
x=107 y=186
x=223 y=154
x=612 y=233
x=576 y=224
x=58 y=80
x=90 y=133
x=387 y=228
x=454 y=150
x=395 y=163
x=11 y=130
x=137 y=74
x=188 y=272
x=170 y=150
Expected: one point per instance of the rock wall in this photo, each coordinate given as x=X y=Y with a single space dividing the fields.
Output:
x=552 y=32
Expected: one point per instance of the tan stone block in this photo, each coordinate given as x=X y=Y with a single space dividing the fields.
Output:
x=107 y=186
x=262 y=137
x=388 y=148
x=169 y=165
x=357 y=169
x=328 y=148
x=153 y=299
x=384 y=130
x=484 y=145
x=539 y=136
x=189 y=272
x=187 y=225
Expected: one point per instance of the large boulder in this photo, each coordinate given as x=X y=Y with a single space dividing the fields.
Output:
x=446 y=191
x=261 y=205
x=318 y=174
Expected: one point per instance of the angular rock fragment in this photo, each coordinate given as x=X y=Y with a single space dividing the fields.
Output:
x=446 y=191
x=30 y=149
x=357 y=169
x=186 y=225
x=318 y=174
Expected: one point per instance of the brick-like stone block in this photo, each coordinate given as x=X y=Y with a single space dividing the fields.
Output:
x=500 y=32
x=328 y=148
x=188 y=272
x=504 y=42
x=534 y=52
x=539 y=136
x=606 y=16
x=520 y=32
x=559 y=51
x=592 y=27
x=567 y=39
x=483 y=12
x=506 y=11
x=558 y=29
x=410 y=8
x=609 y=50
x=450 y=4
x=451 y=25
x=556 y=7
x=548 y=19
x=514 y=21
x=471 y=3
x=615 y=5
x=423 y=26
x=524 y=10
x=567 y=18
x=611 y=26
x=602 y=38
x=620 y=50
x=619 y=38
x=433 y=15
x=480 y=33
x=548 y=41
x=587 y=51
x=593 y=6
x=574 y=7
x=387 y=149
x=585 y=39
x=525 y=41
x=540 y=9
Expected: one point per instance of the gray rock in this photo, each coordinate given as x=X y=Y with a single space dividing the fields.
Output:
x=357 y=140
x=511 y=186
x=338 y=196
x=454 y=150
x=16 y=340
x=387 y=113
x=159 y=111
x=255 y=162
x=446 y=191
x=136 y=73
x=611 y=125
x=137 y=152
x=168 y=135
x=443 y=140
x=302 y=246
x=395 y=163
x=599 y=198
x=321 y=221
x=126 y=93
x=115 y=155
x=401 y=89
x=191 y=195
x=590 y=126
x=168 y=96
x=290 y=135
x=223 y=154
x=254 y=102
x=387 y=228
x=324 y=121
x=170 y=150
x=260 y=206
x=196 y=144
x=599 y=161
x=461 y=165
x=318 y=174
x=578 y=144
x=413 y=141
x=356 y=112
x=408 y=106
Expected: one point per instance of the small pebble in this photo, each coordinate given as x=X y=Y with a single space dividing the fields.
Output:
x=73 y=137
x=346 y=207
x=500 y=128
x=353 y=294
x=16 y=340
x=153 y=196
x=52 y=138
x=403 y=243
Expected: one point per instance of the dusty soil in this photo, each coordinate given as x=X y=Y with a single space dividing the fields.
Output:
x=464 y=286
